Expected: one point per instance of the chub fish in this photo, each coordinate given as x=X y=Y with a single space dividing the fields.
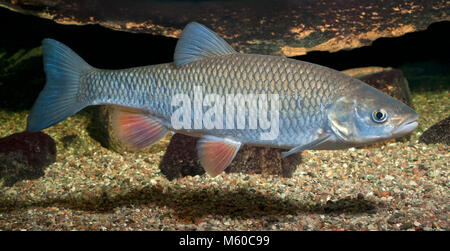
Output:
x=312 y=106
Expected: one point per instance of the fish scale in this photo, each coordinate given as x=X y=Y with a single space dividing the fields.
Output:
x=152 y=88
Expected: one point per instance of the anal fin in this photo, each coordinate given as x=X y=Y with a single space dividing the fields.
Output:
x=216 y=153
x=137 y=129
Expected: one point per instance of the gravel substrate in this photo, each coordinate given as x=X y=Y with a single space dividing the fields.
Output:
x=397 y=186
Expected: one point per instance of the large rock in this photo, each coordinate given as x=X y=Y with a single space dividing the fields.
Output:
x=181 y=159
x=438 y=133
x=284 y=27
x=25 y=156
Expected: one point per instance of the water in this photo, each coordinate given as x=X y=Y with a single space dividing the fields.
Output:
x=89 y=177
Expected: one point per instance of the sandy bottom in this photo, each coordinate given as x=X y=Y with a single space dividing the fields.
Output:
x=398 y=186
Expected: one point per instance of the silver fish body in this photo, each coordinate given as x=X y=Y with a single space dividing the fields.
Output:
x=304 y=90
x=311 y=106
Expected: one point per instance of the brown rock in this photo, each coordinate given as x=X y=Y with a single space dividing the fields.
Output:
x=438 y=133
x=25 y=156
x=181 y=160
x=284 y=27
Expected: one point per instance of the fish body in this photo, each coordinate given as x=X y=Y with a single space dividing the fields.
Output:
x=304 y=91
x=218 y=94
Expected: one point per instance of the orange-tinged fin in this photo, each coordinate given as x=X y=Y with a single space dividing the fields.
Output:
x=136 y=129
x=216 y=153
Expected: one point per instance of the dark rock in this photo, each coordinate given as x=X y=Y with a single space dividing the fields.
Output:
x=25 y=156
x=438 y=133
x=181 y=159
x=284 y=27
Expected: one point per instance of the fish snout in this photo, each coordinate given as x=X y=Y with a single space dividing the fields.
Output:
x=407 y=126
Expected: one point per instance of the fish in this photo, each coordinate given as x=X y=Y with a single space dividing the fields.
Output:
x=225 y=98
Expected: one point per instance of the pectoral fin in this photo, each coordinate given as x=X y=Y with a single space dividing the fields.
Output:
x=137 y=129
x=322 y=137
x=216 y=153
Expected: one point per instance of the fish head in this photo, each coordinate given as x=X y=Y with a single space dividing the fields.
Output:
x=365 y=115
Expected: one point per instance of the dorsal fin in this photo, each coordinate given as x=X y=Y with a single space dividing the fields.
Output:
x=196 y=42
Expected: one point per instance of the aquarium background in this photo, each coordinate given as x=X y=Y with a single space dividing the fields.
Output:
x=395 y=186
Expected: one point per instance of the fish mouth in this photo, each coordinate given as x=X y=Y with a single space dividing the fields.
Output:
x=405 y=128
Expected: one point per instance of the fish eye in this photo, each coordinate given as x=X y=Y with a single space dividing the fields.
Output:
x=379 y=116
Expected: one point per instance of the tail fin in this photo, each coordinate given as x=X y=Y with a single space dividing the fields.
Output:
x=58 y=99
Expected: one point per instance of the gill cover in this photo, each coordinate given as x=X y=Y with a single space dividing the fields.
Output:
x=342 y=116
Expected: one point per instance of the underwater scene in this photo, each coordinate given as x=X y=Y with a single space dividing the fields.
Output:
x=359 y=139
